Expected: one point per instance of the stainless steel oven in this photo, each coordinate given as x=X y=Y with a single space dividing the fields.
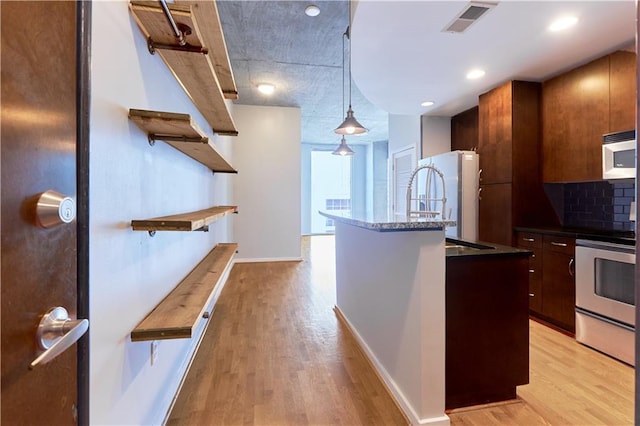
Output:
x=605 y=297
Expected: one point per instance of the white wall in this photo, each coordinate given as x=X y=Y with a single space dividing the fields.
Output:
x=404 y=131
x=267 y=189
x=130 y=272
x=436 y=135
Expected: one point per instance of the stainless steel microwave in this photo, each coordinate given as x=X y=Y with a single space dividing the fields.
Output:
x=619 y=155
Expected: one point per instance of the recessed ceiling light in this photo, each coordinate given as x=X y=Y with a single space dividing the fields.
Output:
x=474 y=74
x=266 y=88
x=427 y=103
x=563 y=23
x=312 y=10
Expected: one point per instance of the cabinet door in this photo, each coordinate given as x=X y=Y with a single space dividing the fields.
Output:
x=622 y=87
x=494 y=215
x=575 y=115
x=558 y=289
x=495 y=135
x=464 y=130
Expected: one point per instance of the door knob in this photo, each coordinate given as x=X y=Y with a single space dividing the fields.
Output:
x=54 y=209
x=56 y=333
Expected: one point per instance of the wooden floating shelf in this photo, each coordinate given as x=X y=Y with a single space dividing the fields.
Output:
x=178 y=314
x=184 y=222
x=213 y=38
x=182 y=133
x=194 y=69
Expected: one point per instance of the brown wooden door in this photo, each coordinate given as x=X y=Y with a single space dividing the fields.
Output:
x=495 y=135
x=464 y=130
x=558 y=285
x=38 y=147
x=622 y=91
x=575 y=115
x=494 y=214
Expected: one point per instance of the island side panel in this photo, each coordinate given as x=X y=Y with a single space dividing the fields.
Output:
x=391 y=290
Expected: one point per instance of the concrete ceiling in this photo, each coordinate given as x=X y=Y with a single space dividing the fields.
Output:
x=400 y=56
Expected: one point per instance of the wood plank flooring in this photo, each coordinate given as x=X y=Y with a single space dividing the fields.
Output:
x=275 y=354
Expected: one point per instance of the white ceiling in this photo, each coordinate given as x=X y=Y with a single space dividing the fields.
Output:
x=401 y=57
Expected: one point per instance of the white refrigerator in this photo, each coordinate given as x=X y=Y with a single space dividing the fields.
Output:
x=461 y=181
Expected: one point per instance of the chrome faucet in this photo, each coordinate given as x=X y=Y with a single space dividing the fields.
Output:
x=430 y=201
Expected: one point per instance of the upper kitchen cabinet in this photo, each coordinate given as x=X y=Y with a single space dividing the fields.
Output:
x=464 y=130
x=509 y=154
x=580 y=106
x=622 y=91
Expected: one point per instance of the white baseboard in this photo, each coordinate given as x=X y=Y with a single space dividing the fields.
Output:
x=268 y=259
x=390 y=384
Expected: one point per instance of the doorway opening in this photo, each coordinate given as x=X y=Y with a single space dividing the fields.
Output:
x=331 y=189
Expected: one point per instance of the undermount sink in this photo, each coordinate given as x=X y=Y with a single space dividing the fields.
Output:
x=459 y=245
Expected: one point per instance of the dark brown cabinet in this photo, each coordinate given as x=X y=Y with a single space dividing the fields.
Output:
x=494 y=213
x=509 y=150
x=580 y=106
x=622 y=91
x=487 y=328
x=551 y=281
x=558 y=286
x=464 y=130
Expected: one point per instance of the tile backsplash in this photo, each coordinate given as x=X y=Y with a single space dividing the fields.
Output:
x=595 y=205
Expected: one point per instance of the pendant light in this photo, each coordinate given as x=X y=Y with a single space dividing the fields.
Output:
x=350 y=125
x=343 y=149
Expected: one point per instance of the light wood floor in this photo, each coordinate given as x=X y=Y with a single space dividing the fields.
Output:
x=275 y=354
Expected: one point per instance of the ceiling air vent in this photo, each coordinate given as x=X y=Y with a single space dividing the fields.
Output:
x=470 y=14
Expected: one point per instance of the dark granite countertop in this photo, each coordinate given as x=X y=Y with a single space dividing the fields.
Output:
x=612 y=236
x=456 y=248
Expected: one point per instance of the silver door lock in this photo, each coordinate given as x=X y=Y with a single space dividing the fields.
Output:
x=54 y=209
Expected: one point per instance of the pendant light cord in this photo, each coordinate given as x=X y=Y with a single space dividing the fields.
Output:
x=343 y=46
x=348 y=32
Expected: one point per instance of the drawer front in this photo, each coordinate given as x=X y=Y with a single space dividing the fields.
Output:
x=529 y=239
x=559 y=244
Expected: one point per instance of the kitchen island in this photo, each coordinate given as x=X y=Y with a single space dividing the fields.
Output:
x=443 y=321
x=390 y=292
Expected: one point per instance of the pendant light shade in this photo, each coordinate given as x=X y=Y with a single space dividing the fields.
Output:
x=343 y=149
x=350 y=125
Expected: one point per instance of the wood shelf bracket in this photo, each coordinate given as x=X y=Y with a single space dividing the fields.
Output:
x=153 y=46
x=169 y=138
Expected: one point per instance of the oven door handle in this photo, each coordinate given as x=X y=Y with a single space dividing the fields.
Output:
x=605 y=319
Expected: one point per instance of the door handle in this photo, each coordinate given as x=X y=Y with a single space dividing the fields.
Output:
x=56 y=333
x=571 y=269
x=553 y=243
x=54 y=209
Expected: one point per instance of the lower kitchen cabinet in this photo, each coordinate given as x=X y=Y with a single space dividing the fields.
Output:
x=487 y=328
x=552 y=291
x=558 y=285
